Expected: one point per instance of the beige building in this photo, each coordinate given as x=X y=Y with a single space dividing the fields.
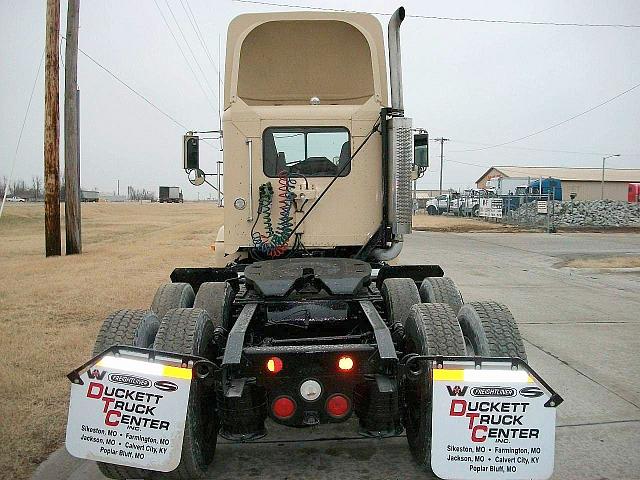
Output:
x=586 y=183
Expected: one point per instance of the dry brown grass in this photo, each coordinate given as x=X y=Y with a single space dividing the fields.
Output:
x=622 y=261
x=447 y=223
x=52 y=308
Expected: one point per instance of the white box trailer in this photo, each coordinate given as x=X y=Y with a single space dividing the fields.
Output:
x=89 y=195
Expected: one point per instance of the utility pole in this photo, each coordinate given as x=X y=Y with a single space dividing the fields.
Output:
x=52 y=133
x=71 y=134
x=441 y=140
x=602 y=182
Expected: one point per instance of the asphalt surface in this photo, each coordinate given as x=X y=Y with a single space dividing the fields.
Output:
x=582 y=334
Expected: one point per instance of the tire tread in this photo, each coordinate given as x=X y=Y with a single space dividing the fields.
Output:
x=500 y=328
x=441 y=290
x=172 y=295
x=399 y=294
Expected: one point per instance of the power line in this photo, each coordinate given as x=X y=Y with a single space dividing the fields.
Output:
x=164 y=19
x=528 y=148
x=24 y=122
x=554 y=125
x=130 y=88
x=196 y=27
x=453 y=19
x=134 y=91
x=599 y=154
x=195 y=59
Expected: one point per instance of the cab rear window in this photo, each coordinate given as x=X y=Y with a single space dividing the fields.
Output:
x=308 y=151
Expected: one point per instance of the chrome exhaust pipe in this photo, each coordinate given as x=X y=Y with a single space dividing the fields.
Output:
x=395 y=60
x=400 y=150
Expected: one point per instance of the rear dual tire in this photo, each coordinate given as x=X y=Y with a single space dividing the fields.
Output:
x=216 y=298
x=431 y=329
x=490 y=330
x=135 y=328
x=399 y=295
x=187 y=331
x=480 y=329
x=441 y=290
x=172 y=295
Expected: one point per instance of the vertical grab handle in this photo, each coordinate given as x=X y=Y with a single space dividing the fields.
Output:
x=250 y=146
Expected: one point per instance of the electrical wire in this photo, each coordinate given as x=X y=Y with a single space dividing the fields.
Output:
x=554 y=125
x=24 y=122
x=186 y=41
x=197 y=79
x=135 y=92
x=452 y=19
x=333 y=180
x=130 y=88
x=196 y=28
x=535 y=149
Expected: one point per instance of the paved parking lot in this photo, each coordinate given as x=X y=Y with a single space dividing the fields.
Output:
x=582 y=334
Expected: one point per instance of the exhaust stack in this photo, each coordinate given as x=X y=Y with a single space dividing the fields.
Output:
x=395 y=60
x=400 y=152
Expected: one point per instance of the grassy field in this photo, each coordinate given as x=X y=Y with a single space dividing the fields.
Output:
x=52 y=308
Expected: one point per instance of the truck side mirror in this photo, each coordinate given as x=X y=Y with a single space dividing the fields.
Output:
x=191 y=152
x=421 y=149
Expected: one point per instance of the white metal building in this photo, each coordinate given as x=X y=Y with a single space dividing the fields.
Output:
x=586 y=183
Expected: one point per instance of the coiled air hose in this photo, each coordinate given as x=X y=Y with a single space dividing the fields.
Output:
x=274 y=242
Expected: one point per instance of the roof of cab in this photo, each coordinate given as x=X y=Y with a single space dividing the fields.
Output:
x=241 y=26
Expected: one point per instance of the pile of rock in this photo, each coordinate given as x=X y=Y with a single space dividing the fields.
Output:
x=594 y=213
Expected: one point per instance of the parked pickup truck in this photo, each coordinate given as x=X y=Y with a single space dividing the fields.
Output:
x=447 y=202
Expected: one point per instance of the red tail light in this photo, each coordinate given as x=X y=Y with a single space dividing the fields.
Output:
x=283 y=407
x=338 y=405
x=274 y=364
x=345 y=363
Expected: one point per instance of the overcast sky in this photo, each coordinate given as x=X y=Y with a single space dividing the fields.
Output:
x=475 y=83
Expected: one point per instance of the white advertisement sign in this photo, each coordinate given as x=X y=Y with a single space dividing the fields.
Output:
x=129 y=412
x=490 y=208
x=543 y=206
x=490 y=424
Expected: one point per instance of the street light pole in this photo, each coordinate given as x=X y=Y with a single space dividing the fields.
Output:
x=602 y=182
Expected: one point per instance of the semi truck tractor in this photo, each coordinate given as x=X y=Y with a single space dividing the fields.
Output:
x=305 y=317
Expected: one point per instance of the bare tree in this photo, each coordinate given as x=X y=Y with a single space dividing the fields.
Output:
x=36 y=180
x=144 y=194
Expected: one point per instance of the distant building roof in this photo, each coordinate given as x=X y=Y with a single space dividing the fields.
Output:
x=563 y=173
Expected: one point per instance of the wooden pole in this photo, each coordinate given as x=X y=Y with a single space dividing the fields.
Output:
x=52 y=133
x=71 y=140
